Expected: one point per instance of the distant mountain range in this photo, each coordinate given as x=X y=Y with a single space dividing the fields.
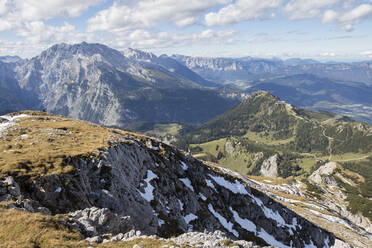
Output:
x=248 y=69
x=344 y=88
x=96 y=83
x=115 y=88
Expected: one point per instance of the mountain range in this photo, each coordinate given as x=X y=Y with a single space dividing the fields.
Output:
x=117 y=88
x=96 y=83
x=260 y=169
x=246 y=69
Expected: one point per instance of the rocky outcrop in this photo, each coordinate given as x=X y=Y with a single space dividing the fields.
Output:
x=269 y=167
x=148 y=186
x=191 y=239
x=323 y=174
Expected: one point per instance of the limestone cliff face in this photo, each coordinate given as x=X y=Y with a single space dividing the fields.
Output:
x=269 y=167
x=99 y=84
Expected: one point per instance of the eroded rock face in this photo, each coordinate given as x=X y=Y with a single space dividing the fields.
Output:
x=322 y=175
x=154 y=188
x=93 y=221
x=269 y=167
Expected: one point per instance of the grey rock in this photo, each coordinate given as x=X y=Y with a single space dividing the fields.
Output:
x=163 y=199
x=137 y=246
x=117 y=237
x=93 y=221
x=13 y=186
x=6 y=197
x=3 y=120
x=269 y=167
x=95 y=239
x=26 y=204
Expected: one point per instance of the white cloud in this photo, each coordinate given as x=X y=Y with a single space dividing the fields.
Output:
x=148 y=13
x=15 y=13
x=348 y=19
x=304 y=9
x=25 y=18
x=241 y=10
x=37 y=32
x=367 y=54
x=4 y=6
x=143 y=39
x=46 y=9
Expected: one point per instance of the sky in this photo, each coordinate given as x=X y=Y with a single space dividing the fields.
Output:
x=326 y=30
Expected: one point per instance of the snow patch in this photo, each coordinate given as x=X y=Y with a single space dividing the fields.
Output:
x=187 y=182
x=223 y=221
x=202 y=196
x=148 y=195
x=236 y=187
x=269 y=213
x=230 y=171
x=11 y=121
x=270 y=239
x=244 y=223
x=184 y=165
x=181 y=204
x=190 y=217
x=160 y=222
x=210 y=184
x=331 y=218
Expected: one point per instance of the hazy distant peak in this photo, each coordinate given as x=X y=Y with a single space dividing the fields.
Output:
x=10 y=59
x=137 y=54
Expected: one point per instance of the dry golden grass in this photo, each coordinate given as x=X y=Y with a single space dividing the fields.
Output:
x=24 y=229
x=272 y=181
x=146 y=243
x=39 y=144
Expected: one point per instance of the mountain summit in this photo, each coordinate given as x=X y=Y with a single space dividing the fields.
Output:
x=96 y=83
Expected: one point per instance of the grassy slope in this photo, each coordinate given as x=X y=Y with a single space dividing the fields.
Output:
x=301 y=137
x=22 y=229
x=39 y=144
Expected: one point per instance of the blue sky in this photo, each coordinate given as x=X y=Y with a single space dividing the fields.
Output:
x=322 y=29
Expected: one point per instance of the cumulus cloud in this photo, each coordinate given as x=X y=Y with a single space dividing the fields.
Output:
x=348 y=19
x=241 y=10
x=26 y=18
x=304 y=9
x=37 y=32
x=46 y=9
x=144 y=39
x=148 y=13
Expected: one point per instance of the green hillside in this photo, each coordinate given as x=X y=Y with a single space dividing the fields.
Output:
x=263 y=125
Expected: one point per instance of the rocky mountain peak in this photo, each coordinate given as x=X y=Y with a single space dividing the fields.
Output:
x=139 y=55
x=64 y=53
